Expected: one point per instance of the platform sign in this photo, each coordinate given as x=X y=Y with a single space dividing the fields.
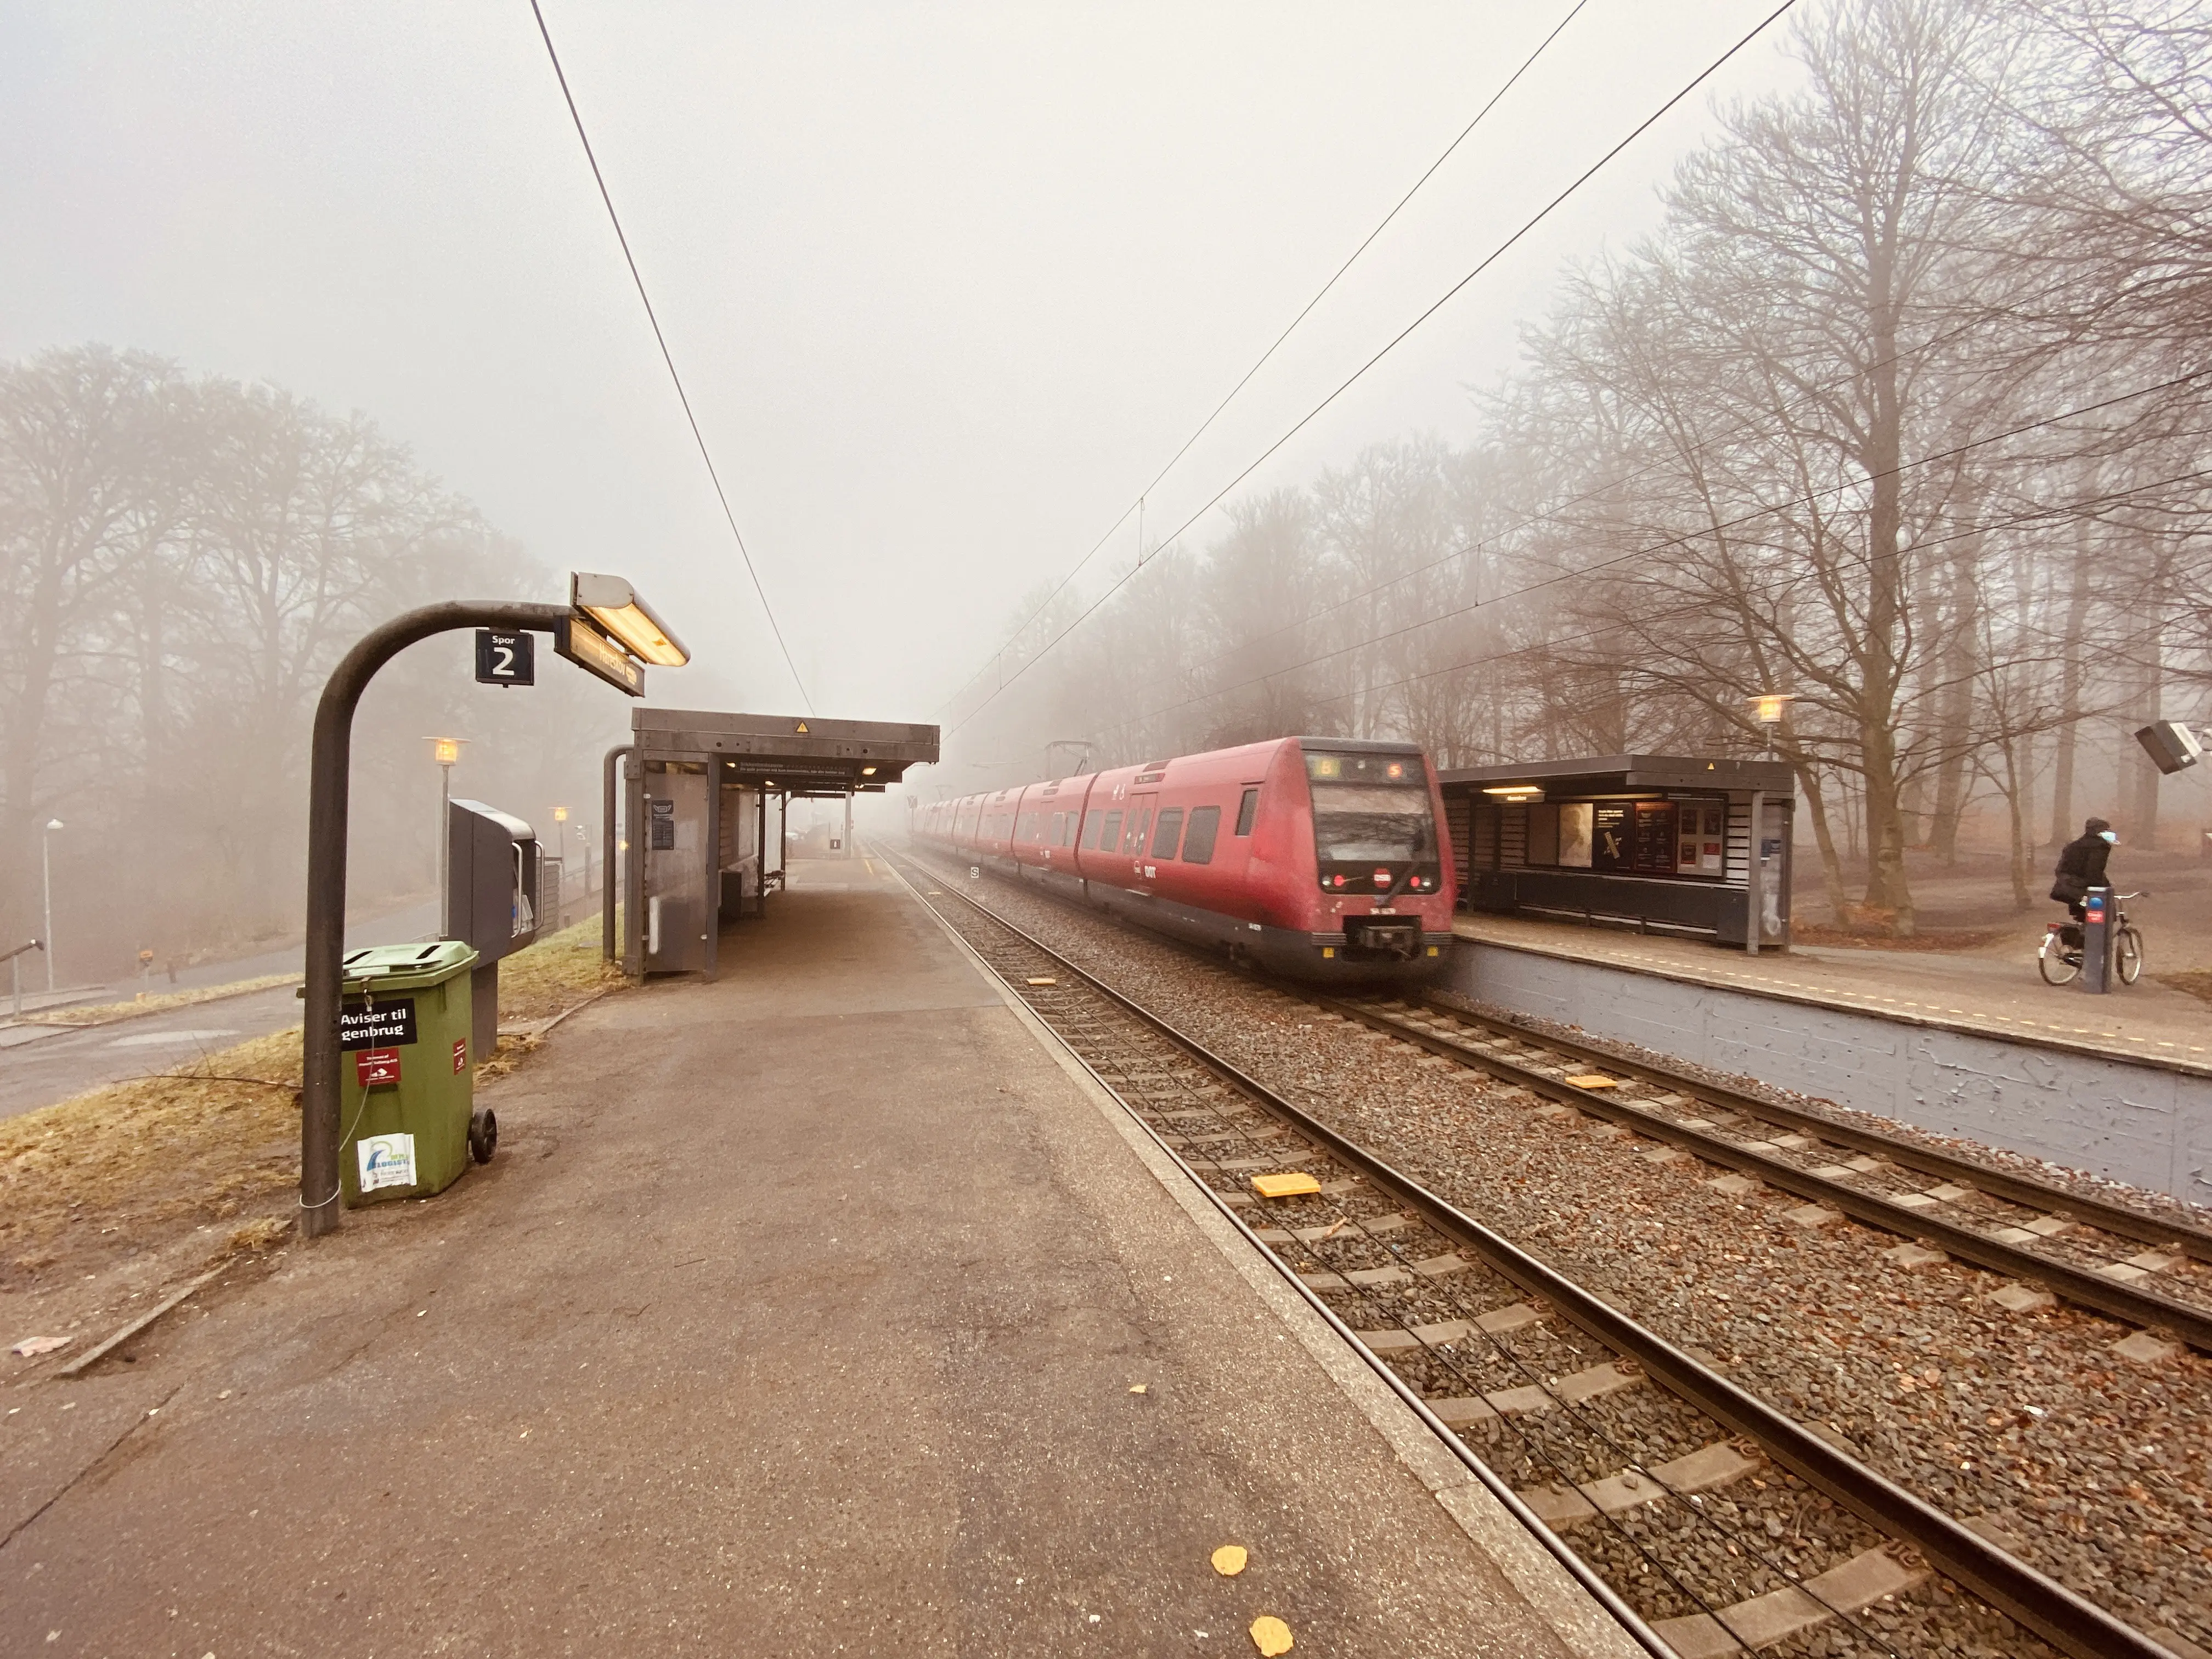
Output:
x=386 y=1024
x=373 y=1067
x=505 y=658
x=595 y=653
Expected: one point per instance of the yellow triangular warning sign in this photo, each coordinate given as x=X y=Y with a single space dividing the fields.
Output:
x=802 y=728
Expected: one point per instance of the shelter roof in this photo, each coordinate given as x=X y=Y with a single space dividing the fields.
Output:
x=803 y=755
x=1602 y=774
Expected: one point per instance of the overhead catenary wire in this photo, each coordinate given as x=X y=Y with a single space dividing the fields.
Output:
x=1644 y=550
x=1390 y=345
x=667 y=357
x=1684 y=608
x=1746 y=426
x=1137 y=505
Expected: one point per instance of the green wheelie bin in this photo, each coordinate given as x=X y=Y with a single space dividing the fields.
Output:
x=407 y=1084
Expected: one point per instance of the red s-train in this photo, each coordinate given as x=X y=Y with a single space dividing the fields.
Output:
x=1315 y=858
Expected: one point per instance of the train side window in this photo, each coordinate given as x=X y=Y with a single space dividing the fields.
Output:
x=1059 y=828
x=1170 y=832
x=1110 y=838
x=1247 y=810
x=1139 y=823
x=1066 y=828
x=1091 y=822
x=1198 y=840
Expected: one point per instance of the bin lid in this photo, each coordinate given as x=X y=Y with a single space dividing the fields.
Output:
x=407 y=967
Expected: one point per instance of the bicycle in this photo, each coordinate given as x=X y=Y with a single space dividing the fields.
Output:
x=2059 y=960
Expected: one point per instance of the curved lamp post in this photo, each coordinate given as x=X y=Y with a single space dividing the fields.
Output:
x=605 y=630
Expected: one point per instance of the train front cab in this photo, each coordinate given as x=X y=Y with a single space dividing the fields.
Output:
x=1221 y=849
x=1382 y=889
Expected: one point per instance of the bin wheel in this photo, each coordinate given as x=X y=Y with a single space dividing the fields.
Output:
x=483 y=1133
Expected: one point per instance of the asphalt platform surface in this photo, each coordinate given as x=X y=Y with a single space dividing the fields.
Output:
x=799 y=1314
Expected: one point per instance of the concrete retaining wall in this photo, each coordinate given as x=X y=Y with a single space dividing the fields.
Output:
x=2141 y=1124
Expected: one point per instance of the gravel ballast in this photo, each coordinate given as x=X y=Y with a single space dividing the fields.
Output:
x=2089 y=1464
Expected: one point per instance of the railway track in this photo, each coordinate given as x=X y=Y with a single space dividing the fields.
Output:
x=1709 y=1521
x=2008 y=1224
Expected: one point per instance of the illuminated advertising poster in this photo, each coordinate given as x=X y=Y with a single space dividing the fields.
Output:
x=1575 y=820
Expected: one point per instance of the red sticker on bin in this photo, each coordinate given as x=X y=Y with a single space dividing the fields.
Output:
x=376 y=1065
x=460 y=1054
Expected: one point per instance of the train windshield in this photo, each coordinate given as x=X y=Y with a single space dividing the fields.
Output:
x=1370 y=809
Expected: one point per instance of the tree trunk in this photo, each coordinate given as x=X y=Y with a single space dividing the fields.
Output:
x=2070 y=688
x=1823 y=836
x=2143 y=777
x=1888 y=894
x=1956 y=704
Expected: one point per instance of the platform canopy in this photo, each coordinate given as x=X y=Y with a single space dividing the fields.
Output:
x=1628 y=774
x=789 y=753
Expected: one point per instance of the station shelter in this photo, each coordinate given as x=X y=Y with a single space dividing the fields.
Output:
x=706 y=797
x=1673 y=844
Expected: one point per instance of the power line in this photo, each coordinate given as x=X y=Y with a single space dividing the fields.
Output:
x=1487 y=260
x=1746 y=426
x=1699 y=607
x=1646 y=550
x=1137 y=506
x=667 y=357
x=1685 y=608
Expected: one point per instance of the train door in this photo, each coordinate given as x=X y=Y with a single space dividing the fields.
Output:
x=1136 y=839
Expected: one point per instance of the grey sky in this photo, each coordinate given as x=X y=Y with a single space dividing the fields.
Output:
x=947 y=283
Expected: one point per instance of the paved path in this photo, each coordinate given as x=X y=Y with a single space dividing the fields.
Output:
x=42 y=1063
x=799 y=1314
x=66 y=1060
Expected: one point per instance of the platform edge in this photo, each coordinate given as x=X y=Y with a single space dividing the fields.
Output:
x=1580 y=1624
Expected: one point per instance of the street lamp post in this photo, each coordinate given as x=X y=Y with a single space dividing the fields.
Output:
x=604 y=629
x=561 y=879
x=446 y=751
x=46 y=872
x=1769 y=710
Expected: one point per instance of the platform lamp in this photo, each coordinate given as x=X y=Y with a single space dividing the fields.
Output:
x=1769 y=709
x=445 y=751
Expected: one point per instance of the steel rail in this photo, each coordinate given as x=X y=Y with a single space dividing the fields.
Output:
x=2070 y=1622
x=2076 y=1284
x=1580 y=1570
x=2016 y=1188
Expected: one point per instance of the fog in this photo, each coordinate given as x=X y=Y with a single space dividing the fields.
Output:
x=947 y=286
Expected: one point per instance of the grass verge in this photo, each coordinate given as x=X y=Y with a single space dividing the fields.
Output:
x=106 y=1014
x=133 y=1164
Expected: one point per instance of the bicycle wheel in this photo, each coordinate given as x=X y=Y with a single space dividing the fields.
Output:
x=2057 y=964
x=2128 y=956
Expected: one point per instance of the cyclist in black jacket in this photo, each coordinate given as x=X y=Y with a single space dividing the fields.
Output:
x=2081 y=866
